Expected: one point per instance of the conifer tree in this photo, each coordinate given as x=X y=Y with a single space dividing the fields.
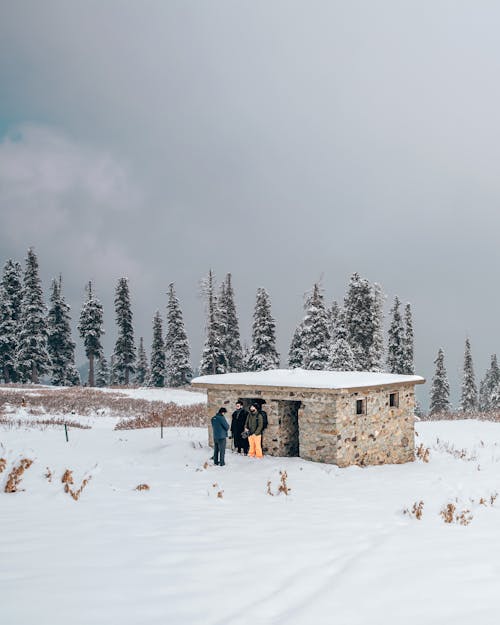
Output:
x=102 y=376
x=376 y=350
x=125 y=346
x=408 y=367
x=341 y=357
x=316 y=333
x=213 y=359
x=178 y=366
x=157 y=372
x=60 y=346
x=12 y=287
x=440 y=393
x=113 y=376
x=263 y=355
x=333 y=314
x=142 y=369
x=468 y=401
x=8 y=340
x=32 y=357
x=296 y=351
x=395 y=349
x=359 y=315
x=230 y=326
x=91 y=330
x=488 y=387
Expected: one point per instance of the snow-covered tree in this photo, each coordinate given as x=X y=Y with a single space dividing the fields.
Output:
x=8 y=339
x=468 y=400
x=32 y=357
x=359 y=316
x=213 y=359
x=376 y=350
x=341 y=357
x=11 y=284
x=125 y=346
x=60 y=346
x=489 y=386
x=157 y=370
x=178 y=366
x=333 y=314
x=229 y=321
x=91 y=330
x=316 y=332
x=263 y=354
x=395 y=348
x=102 y=376
x=113 y=375
x=296 y=351
x=408 y=366
x=440 y=393
x=142 y=369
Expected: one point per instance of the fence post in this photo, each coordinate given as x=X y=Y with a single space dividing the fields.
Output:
x=66 y=432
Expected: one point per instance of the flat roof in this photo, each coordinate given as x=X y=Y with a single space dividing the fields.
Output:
x=301 y=378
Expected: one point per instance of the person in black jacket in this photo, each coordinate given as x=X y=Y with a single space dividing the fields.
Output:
x=237 y=427
x=220 y=427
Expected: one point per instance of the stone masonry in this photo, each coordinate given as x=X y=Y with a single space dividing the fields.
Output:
x=322 y=424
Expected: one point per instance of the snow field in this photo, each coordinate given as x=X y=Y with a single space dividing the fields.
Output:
x=337 y=549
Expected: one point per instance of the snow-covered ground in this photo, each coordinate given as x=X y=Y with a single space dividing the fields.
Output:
x=166 y=395
x=338 y=549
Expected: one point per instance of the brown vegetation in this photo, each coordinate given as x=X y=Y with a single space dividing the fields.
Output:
x=16 y=475
x=142 y=487
x=3 y=464
x=67 y=480
x=423 y=453
x=458 y=416
x=417 y=510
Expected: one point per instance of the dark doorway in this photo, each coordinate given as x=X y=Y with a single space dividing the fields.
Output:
x=288 y=427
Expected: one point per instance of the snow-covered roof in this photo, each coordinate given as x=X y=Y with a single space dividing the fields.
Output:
x=301 y=378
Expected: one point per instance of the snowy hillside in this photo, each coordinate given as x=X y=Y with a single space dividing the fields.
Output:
x=208 y=545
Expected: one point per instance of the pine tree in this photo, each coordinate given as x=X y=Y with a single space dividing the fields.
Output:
x=468 y=401
x=408 y=367
x=12 y=296
x=157 y=371
x=32 y=357
x=316 y=333
x=60 y=346
x=395 y=349
x=178 y=367
x=102 y=377
x=296 y=351
x=91 y=330
x=142 y=369
x=440 y=393
x=229 y=323
x=376 y=349
x=333 y=314
x=214 y=359
x=359 y=314
x=8 y=341
x=489 y=386
x=263 y=355
x=113 y=375
x=341 y=357
x=125 y=346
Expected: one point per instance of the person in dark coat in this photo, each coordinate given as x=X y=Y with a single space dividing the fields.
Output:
x=237 y=426
x=220 y=427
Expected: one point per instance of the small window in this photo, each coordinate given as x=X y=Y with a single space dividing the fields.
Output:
x=361 y=406
x=394 y=400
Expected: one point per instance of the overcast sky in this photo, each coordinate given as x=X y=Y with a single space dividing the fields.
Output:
x=285 y=142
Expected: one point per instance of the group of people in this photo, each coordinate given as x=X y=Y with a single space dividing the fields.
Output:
x=246 y=431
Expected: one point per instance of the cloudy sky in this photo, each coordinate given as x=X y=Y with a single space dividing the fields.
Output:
x=283 y=141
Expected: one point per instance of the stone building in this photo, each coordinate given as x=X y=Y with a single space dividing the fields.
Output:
x=338 y=417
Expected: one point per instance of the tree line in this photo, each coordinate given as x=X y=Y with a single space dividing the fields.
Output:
x=36 y=342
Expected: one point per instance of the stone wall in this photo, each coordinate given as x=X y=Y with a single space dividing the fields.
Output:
x=328 y=428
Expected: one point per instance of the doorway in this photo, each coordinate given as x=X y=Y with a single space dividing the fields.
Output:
x=288 y=419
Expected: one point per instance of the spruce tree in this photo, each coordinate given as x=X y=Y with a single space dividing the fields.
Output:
x=316 y=333
x=333 y=314
x=32 y=357
x=468 y=401
x=102 y=376
x=213 y=359
x=341 y=357
x=263 y=355
x=157 y=371
x=395 y=348
x=489 y=386
x=113 y=376
x=440 y=393
x=12 y=287
x=8 y=340
x=229 y=323
x=359 y=315
x=296 y=351
x=408 y=367
x=60 y=346
x=142 y=369
x=124 y=347
x=376 y=349
x=91 y=330
x=178 y=366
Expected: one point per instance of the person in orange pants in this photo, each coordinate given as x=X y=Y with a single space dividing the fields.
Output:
x=253 y=426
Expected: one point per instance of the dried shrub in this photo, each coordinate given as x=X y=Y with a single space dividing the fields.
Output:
x=220 y=493
x=269 y=491
x=448 y=513
x=460 y=416
x=16 y=475
x=170 y=415
x=493 y=498
x=41 y=424
x=283 y=487
x=3 y=464
x=142 y=487
x=423 y=453
x=464 y=518
x=67 y=480
x=417 y=510
x=49 y=475
x=459 y=454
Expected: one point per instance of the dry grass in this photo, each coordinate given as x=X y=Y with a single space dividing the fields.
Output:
x=459 y=454
x=16 y=475
x=220 y=493
x=450 y=515
x=169 y=415
x=41 y=424
x=417 y=510
x=67 y=480
x=142 y=487
x=423 y=453
x=3 y=464
x=458 y=416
